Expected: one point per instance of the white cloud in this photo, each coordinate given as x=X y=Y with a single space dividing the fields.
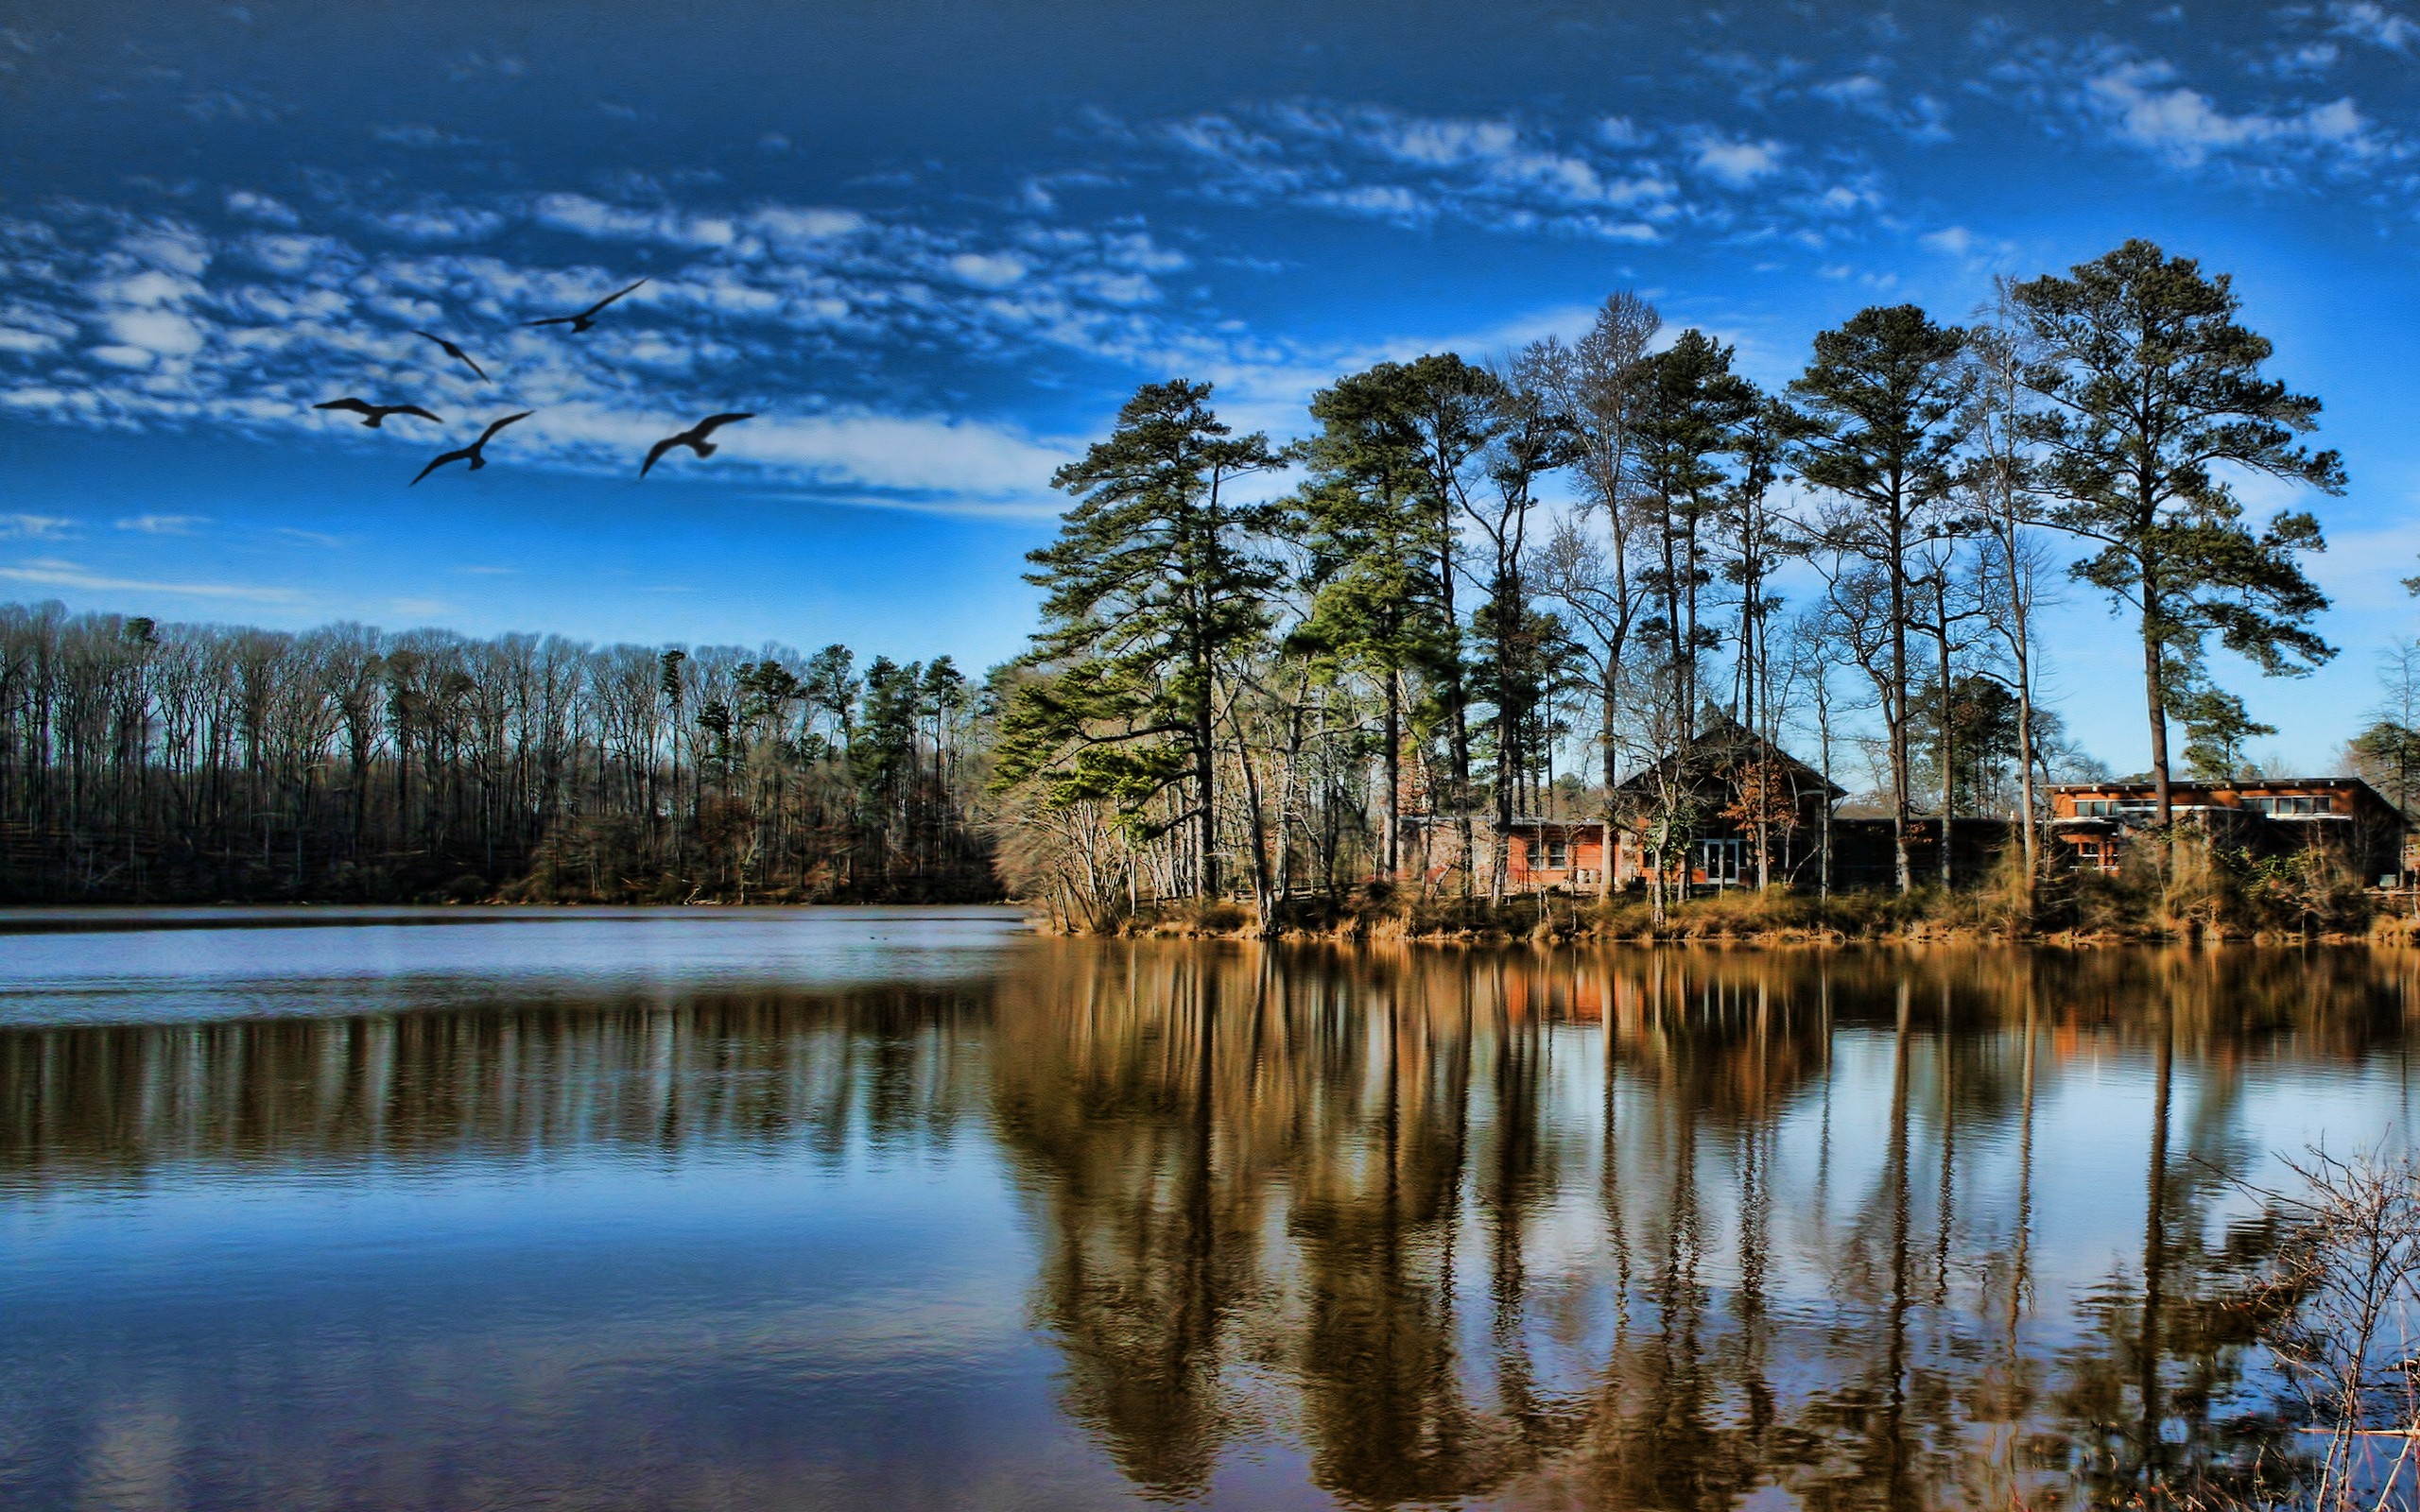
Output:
x=164 y=524
x=259 y=207
x=911 y=462
x=54 y=572
x=2143 y=104
x=604 y=222
x=1737 y=162
x=989 y=270
x=35 y=527
x=1856 y=89
x=803 y=223
x=1440 y=142
x=178 y=249
x=440 y=223
x=150 y=287
x=2309 y=58
x=1383 y=201
x=162 y=332
x=2365 y=20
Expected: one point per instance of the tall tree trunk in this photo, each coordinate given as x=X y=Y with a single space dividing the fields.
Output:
x=1896 y=714
x=2155 y=696
x=1949 y=756
x=1605 y=858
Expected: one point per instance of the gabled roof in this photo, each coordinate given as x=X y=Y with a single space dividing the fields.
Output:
x=1726 y=745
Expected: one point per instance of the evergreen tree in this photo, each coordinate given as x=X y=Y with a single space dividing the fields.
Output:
x=1454 y=409
x=1880 y=398
x=1160 y=576
x=2150 y=386
x=1691 y=406
x=1377 y=604
x=1532 y=439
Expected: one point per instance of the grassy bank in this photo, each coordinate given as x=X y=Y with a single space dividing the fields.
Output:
x=2195 y=892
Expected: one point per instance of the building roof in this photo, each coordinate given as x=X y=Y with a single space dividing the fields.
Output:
x=1726 y=744
x=2181 y=794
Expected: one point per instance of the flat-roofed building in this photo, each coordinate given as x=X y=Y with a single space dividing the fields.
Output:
x=2094 y=822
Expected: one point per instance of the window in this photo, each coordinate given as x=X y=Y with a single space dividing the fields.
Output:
x=1558 y=853
x=1723 y=861
x=2289 y=804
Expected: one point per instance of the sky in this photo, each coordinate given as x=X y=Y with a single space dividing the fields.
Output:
x=933 y=246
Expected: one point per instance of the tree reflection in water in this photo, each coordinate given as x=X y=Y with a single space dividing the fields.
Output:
x=1588 y=1229
x=1657 y=1230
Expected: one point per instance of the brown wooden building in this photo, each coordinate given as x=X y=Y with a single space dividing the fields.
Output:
x=1720 y=777
x=2095 y=821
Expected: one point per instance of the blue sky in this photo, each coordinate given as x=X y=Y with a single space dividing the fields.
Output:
x=935 y=244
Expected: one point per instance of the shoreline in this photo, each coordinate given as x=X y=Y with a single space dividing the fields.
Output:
x=1774 y=920
x=1847 y=921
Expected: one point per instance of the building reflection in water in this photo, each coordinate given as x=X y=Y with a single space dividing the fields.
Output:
x=1623 y=1229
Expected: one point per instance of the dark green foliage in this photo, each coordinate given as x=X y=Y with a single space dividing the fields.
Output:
x=1690 y=408
x=1981 y=721
x=1379 y=605
x=1160 y=575
x=2150 y=388
x=2387 y=756
x=1880 y=404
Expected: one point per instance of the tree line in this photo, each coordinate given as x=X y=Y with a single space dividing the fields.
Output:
x=150 y=760
x=1472 y=593
x=1245 y=688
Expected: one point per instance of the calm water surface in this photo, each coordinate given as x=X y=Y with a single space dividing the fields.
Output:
x=904 y=1209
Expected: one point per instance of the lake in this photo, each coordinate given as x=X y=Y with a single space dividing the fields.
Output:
x=902 y=1208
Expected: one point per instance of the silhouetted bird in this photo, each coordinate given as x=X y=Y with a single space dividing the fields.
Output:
x=694 y=438
x=473 y=454
x=586 y=317
x=456 y=352
x=373 y=415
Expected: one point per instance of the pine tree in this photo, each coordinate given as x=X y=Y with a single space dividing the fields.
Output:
x=1881 y=398
x=2150 y=386
x=1160 y=578
x=1376 y=605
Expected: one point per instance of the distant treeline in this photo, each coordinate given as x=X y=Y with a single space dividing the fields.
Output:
x=147 y=762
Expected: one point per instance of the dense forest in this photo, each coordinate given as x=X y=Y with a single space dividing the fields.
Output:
x=1471 y=592
x=149 y=761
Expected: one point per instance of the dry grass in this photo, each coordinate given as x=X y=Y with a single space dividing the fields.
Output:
x=2203 y=891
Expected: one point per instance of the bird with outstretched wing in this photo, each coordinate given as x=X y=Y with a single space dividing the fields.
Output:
x=694 y=438
x=454 y=351
x=475 y=454
x=586 y=317
x=375 y=415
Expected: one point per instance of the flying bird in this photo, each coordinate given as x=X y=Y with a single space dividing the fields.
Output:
x=373 y=415
x=586 y=317
x=456 y=352
x=694 y=438
x=473 y=453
